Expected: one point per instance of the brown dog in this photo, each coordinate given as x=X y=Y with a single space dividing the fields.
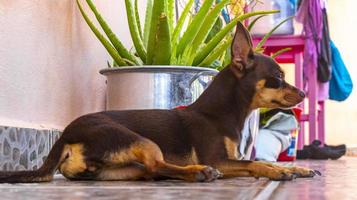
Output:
x=178 y=143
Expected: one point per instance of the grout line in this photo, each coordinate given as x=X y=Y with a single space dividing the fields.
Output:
x=267 y=191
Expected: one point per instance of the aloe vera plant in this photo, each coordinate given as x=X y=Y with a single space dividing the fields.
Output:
x=161 y=40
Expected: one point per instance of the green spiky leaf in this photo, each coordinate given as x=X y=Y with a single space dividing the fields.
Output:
x=147 y=22
x=204 y=51
x=157 y=10
x=252 y=23
x=162 y=52
x=194 y=27
x=134 y=31
x=123 y=52
x=266 y=36
x=111 y=50
x=281 y=51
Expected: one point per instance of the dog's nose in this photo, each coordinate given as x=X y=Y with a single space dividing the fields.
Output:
x=302 y=94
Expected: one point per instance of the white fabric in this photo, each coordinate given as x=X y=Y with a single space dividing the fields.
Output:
x=275 y=136
x=251 y=129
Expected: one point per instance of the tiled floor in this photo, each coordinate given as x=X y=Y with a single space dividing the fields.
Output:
x=339 y=181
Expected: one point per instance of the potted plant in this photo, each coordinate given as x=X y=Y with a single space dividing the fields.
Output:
x=171 y=63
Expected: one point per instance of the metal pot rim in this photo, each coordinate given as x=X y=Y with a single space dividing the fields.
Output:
x=154 y=68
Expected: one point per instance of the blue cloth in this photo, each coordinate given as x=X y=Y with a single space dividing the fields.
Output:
x=341 y=83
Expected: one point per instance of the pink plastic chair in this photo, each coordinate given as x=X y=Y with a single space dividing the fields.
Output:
x=315 y=115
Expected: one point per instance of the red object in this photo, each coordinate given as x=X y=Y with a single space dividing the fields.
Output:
x=298 y=113
x=290 y=153
x=181 y=107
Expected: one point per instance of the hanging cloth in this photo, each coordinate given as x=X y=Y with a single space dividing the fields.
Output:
x=341 y=83
x=310 y=15
x=324 y=57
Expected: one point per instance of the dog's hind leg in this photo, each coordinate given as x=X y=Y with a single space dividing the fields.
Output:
x=113 y=152
x=192 y=173
x=150 y=156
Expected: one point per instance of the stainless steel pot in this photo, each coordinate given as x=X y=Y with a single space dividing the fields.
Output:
x=161 y=87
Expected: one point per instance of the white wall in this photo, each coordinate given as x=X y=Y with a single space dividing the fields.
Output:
x=342 y=117
x=49 y=61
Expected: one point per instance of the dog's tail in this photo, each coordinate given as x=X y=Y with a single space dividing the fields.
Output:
x=43 y=174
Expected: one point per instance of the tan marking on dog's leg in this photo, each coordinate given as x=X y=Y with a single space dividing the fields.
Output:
x=190 y=158
x=131 y=172
x=194 y=157
x=231 y=148
x=122 y=157
x=75 y=162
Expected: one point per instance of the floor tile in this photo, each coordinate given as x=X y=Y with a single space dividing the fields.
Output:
x=339 y=181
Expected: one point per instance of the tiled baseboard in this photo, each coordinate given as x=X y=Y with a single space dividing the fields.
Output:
x=24 y=148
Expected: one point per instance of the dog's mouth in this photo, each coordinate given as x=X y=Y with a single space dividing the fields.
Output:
x=292 y=98
x=288 y=101
x=282 y=105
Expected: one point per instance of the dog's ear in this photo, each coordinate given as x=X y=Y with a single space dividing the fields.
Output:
x=242 y=52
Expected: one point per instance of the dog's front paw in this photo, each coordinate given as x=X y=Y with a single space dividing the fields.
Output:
x=208 y=174
x=280 y=175
x=289 y=173
x=271 y=171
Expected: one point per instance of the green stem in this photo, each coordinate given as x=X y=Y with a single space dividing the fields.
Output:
x=111 y=50
x=204 y=51
x=276 y=54
x=217 y=52
x=266 y=36
x=179 y=25
x=123 y=52
x=194 y=27
x=134 y=31
x=208 y=23
x=251 y=24
x=171 y=14
x=162 y=52
x=137 y=17
x=157 y=10
x=147 y=22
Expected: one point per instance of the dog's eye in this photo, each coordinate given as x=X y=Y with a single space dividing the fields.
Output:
x=273 y=82
x=280 y=75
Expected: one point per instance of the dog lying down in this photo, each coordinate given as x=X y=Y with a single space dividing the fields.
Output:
x=198 y=143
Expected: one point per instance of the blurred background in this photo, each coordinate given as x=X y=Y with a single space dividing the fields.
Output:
x=50 y=37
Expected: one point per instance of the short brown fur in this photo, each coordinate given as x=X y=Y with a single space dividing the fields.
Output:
x=75 y=161
x=231 y=148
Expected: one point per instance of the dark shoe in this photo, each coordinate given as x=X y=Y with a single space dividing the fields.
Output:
x=338 y=148
x=303 y=154
x=341 y=147
x=314 y=151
